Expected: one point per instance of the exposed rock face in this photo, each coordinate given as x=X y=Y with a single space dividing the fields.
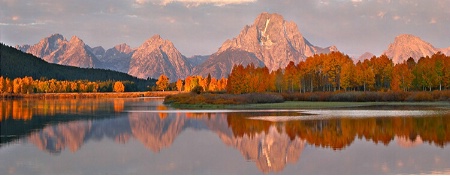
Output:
x=406 y=46
x=158 y=56
x=117 y=58
x=77 y=54
x=98 y=51
x=56 y=49
x=270 y=39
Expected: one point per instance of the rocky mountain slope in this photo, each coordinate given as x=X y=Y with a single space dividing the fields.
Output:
x=56 y=49
x=153 y=58
x=270 y=39
x=117 y=58
x=158 y=56
x=406 y=46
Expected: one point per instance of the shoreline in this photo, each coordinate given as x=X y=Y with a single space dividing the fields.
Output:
x=87 y=95
x=315 y=105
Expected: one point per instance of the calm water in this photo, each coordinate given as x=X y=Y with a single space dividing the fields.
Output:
x=142 y=136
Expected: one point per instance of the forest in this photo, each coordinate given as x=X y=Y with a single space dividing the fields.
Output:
x=337 y=72
x=324 y=77
x=16 y=64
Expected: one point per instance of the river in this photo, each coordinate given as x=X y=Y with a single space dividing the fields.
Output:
x=143 y=136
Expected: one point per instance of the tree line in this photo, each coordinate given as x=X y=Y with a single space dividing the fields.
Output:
x=28 y=85
x=17 y=64
x=337 y=72
x=195 y=83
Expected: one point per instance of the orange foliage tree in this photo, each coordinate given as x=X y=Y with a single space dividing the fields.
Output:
x=119 y=87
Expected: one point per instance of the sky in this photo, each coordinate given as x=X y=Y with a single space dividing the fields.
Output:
x=199 y=27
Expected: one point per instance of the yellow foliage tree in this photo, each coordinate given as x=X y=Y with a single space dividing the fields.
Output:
x=163 y=82
x=179 y=85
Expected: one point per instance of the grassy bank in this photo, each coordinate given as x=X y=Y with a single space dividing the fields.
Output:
x=317 y=105
x=222 y=99
x=315 y=100
x=88 y=95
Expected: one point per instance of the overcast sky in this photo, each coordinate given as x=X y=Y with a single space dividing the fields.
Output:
x=201 y=26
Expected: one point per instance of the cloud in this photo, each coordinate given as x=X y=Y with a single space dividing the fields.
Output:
x=141 y=2
x=22 y=24
x=15 y=18
x=381 y=14
x=196 y=3
x=433 y=21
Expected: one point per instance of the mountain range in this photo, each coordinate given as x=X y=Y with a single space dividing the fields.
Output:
x=270 y=41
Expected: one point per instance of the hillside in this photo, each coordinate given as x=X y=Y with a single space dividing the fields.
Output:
x=15 y=63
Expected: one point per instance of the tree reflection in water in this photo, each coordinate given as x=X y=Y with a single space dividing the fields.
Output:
x=270 y=144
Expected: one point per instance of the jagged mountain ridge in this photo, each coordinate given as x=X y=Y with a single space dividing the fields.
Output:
x=407 y=45
x=270 y=39
x=116 y=58
x=158 y=56
x=57 y=49
x=153 y=58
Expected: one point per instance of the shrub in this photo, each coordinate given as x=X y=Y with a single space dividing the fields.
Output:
x=420 y=96
x=197 y=89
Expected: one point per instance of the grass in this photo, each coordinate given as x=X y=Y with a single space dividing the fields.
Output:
x=327 y=105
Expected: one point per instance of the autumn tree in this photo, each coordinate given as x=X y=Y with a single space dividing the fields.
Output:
x=439 y=60
x=119 y=87
x=17 y=85
x=402 y=77
x=235 y=84
x=382 y=68
x=179 y=85
x=425 y=76
x=291 y=77
x=347 y=75
x=365 y=77
x=208 y=82
x=446 y=71
x=163 y=82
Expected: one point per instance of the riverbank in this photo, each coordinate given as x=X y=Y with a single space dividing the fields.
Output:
x=321 y=105
x=88 y=95
x=315 y=100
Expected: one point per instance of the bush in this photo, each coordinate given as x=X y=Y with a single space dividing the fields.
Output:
x=420 y=96
x=197 y=89
x=212 y=98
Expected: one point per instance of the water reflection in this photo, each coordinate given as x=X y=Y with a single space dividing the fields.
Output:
x=271 y=145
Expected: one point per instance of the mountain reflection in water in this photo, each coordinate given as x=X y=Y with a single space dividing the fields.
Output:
x=271 y=145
